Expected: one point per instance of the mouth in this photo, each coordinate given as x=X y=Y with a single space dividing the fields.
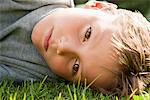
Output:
x=47 y=39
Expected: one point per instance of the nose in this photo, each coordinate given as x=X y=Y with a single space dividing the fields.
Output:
x=66 y=46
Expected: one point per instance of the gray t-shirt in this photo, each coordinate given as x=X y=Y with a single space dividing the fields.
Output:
x=18 y=56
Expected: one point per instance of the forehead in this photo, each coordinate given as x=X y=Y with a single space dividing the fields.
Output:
x=78 y=17
x=80 y=13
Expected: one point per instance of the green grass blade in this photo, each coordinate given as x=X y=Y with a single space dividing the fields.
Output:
x=40 y=86
x=70 y=92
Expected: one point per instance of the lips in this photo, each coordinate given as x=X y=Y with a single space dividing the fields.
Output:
x=47 y=39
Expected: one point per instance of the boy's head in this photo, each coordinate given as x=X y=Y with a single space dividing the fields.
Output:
x=82 y=44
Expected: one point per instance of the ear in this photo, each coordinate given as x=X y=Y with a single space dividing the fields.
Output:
x=100 y=5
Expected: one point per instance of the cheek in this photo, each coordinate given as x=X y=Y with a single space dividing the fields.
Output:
x=56 y=64
x=102 y=78
x=59 y=66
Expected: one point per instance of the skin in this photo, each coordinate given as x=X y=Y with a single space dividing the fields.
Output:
x=73 y=53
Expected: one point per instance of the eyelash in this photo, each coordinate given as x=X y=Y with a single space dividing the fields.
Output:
x=87 y=34
x=76 y=66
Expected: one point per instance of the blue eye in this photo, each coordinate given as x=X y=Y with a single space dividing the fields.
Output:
x=87 y=34
x=76 y=66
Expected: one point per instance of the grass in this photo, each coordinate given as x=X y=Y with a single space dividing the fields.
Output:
x=42 y=90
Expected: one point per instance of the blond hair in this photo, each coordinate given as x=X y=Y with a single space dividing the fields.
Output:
x=132 y=45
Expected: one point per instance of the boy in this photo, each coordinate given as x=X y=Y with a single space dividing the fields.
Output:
x=76 y=43
x=107 y=42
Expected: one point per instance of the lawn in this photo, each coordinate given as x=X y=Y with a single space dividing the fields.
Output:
x=42 y=90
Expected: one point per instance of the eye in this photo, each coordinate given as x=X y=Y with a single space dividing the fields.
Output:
x=75 y=67
x=87 y=34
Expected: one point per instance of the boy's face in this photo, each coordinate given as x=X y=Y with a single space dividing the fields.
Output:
x=76 y=43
